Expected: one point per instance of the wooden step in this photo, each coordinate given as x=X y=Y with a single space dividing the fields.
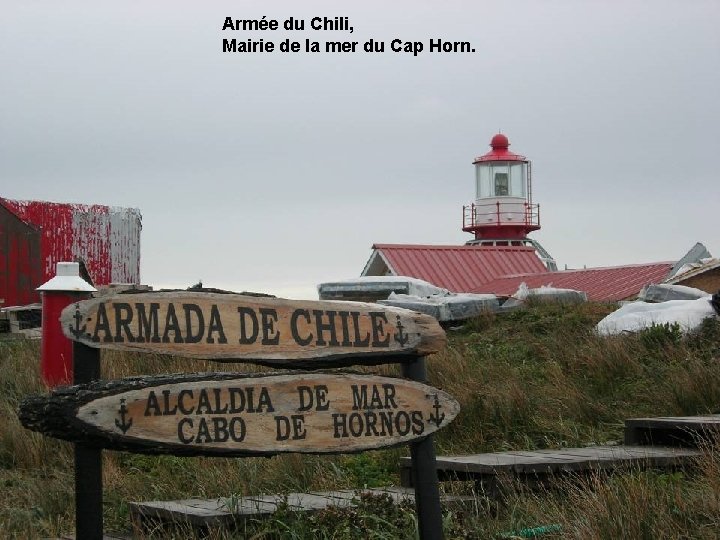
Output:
x=685 y=431
x=530 y=466
x=226 y=512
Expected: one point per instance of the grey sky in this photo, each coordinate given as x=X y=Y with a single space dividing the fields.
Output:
x=277 y=171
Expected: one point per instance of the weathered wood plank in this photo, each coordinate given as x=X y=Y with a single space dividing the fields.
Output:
x=180 y=513
x=234 y=415
x=564 y=460
x=707 y=421
x=673 y=430
x=271 y=331
x=223 y=512
x=338 y=498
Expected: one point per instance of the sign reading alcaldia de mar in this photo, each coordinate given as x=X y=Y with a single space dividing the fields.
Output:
x=238 y=327
x=227 y=414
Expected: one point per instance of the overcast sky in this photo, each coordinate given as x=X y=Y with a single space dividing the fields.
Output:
x=277 y=171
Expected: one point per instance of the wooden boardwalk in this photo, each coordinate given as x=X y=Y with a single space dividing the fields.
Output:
x=687 y=431
x=489 y=471
x=531 y=467
x=650 y=443
x=226 y=512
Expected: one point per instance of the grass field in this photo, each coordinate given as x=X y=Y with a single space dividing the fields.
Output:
x=531 y=379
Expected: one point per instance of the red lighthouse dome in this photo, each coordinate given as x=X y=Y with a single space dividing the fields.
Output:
x=499 y=144
x=499 y=141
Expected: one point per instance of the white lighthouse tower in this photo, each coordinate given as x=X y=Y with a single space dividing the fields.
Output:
x=503 y=213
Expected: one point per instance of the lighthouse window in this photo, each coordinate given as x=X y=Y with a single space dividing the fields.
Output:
x=501 y=185
x=517 y=184
x=483 y=182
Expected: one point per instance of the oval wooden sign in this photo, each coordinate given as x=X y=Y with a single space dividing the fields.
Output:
x=230 y=415
x=233 y=327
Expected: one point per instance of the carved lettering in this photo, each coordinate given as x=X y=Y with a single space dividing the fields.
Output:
x=172 y=325
x=147 y=323
x=193 y=319
x=248 y=326
x=123 y=318
x=102 y=325
x=215 y=326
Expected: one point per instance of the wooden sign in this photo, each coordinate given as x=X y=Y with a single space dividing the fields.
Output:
x=270 y=331
x=230 y=415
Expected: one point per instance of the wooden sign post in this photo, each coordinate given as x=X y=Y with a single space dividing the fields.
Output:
x=270 y=331
x=223 y=414
x=229 y=414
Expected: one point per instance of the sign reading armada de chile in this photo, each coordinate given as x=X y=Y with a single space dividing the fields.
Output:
x=232 y=415
x=248 y=328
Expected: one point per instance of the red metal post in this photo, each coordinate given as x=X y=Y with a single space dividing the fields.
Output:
x=67 y=287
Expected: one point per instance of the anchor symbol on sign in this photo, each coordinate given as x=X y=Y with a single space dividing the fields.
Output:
x=401 y=337
x=78 y=331
x=437 y=418
x=122 y=424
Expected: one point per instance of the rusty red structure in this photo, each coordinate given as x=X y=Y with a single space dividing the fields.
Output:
x=36 y=235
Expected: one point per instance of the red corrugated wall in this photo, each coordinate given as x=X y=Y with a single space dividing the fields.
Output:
x=106 y=239
x=20 y=266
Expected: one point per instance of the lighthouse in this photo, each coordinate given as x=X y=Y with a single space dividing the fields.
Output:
x=503 y=213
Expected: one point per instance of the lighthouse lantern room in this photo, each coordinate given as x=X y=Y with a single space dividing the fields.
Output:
x=503 y=213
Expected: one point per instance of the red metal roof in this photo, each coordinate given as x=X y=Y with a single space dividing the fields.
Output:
x=459 y=268
x=607 y=284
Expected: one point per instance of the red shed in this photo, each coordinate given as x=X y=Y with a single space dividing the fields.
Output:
x=35 y=235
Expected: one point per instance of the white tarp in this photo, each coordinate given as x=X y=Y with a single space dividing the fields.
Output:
x=663 y=292
x=545 y=292
x=381 y=286
x=445 y=307
x=688 y=314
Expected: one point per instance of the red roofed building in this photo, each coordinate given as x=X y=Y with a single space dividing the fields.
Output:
x=606 y=284
x=456 y=268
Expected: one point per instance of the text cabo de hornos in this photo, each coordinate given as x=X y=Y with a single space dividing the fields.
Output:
x=224 y=415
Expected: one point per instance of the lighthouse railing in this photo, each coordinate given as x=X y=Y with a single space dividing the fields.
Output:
x=498 y=213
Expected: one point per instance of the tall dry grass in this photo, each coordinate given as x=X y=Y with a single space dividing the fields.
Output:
x=538 y=378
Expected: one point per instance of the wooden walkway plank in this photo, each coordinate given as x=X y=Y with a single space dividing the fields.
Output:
x=686 y=431
x=562 y=461
x=337 y=498
x=181 y=513
x=307 y=502
x=224 y=511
